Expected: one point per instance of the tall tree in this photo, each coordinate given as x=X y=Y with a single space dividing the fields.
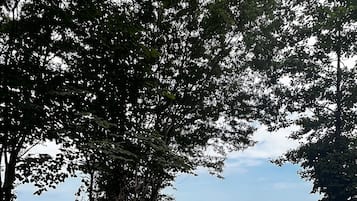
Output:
x=157 y=89
x=145 y=89
x=28 y=73
x=317 y=90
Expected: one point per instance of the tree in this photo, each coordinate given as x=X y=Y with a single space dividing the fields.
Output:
x=28 y=73
x=156 y=89
x=317 y=91
x=107 y=71
x=142 y=90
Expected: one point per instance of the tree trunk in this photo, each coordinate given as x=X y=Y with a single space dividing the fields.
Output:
x=338 y=118
x=8 y=186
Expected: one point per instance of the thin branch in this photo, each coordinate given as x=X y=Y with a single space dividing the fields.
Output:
x=28 y=149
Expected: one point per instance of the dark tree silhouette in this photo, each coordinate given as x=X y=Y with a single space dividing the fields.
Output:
x=319 y=93
x=157 y=87
x=28 y=75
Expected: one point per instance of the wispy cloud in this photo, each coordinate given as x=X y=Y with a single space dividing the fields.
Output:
x=48 y=147
x=269 y=144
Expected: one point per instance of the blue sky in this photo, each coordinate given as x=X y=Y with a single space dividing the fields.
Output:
x=264 y=182
x=249 y=176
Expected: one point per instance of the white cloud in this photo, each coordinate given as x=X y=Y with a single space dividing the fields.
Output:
x=241 y=166
x=269 y=144
x=244 y=163
x=48 y=147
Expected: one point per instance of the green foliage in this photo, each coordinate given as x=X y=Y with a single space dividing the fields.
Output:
x=141 y=91
x=27 y=109
x=318 y=93
x=160 y=77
